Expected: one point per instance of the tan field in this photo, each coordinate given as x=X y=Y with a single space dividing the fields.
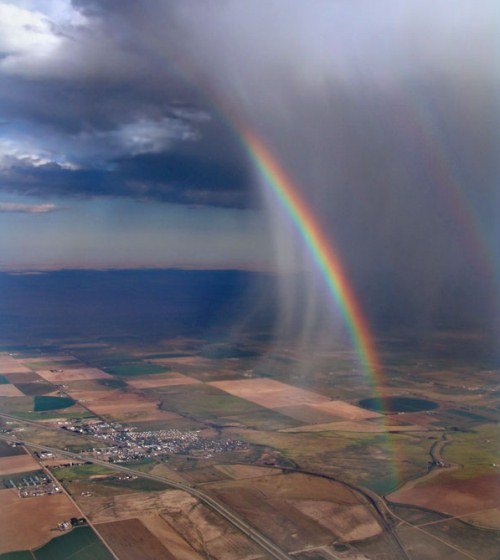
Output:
x=161 y=380
x=10 y=391
x=129 y=540
x=122 y=405
x=269 y=393
x=453 y=496
x=8 y=364
x=17 y=464
x=73 y=374
x=345 y=410
x=40 y=515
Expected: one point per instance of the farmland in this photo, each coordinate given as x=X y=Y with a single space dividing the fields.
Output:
x=316 y=425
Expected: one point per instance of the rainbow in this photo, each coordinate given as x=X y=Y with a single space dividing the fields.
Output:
x=328 y=262
x=321 y=249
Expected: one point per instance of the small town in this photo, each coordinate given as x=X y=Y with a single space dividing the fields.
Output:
x=126 y=444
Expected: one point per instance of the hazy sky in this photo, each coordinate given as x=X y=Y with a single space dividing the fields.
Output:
x=116 y=147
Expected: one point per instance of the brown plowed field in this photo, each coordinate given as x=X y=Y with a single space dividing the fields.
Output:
x=130 y=540
x=180 y=549
x=453 y=496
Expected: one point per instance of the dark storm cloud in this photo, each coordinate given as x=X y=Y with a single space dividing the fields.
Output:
x=166 y=177
x=100 y=114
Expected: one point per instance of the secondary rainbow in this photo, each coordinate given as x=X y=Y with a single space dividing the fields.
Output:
x=321 y=249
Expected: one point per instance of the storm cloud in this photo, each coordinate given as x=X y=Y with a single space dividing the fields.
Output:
x=384 y=112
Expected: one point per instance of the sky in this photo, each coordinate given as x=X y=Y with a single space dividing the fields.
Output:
x=120 y=144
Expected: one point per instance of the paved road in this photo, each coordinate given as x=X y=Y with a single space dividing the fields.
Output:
x=266 y=544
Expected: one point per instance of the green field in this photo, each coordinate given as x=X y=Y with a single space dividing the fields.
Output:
x=131 y=370
x=204 y=401
x=18 y=555
x=41 y=403
x=80 y=544
x=112 y=383
x=80 y=472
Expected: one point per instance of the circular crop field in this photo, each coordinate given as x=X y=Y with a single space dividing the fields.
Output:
x=397 y=404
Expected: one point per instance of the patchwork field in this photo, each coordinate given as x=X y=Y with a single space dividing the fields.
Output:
x=41 y=515
x=319 y=428
x=320 y=510
x=207 y=533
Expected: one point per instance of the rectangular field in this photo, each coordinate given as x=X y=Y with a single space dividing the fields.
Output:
x=17 y=464
x=30 y=522
x=161 y=380
x=269 y=393
x=73 y=374
x=345 y=410
x=8 y=364
x=10 y=391
x=122 y=405
x=130 y=540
